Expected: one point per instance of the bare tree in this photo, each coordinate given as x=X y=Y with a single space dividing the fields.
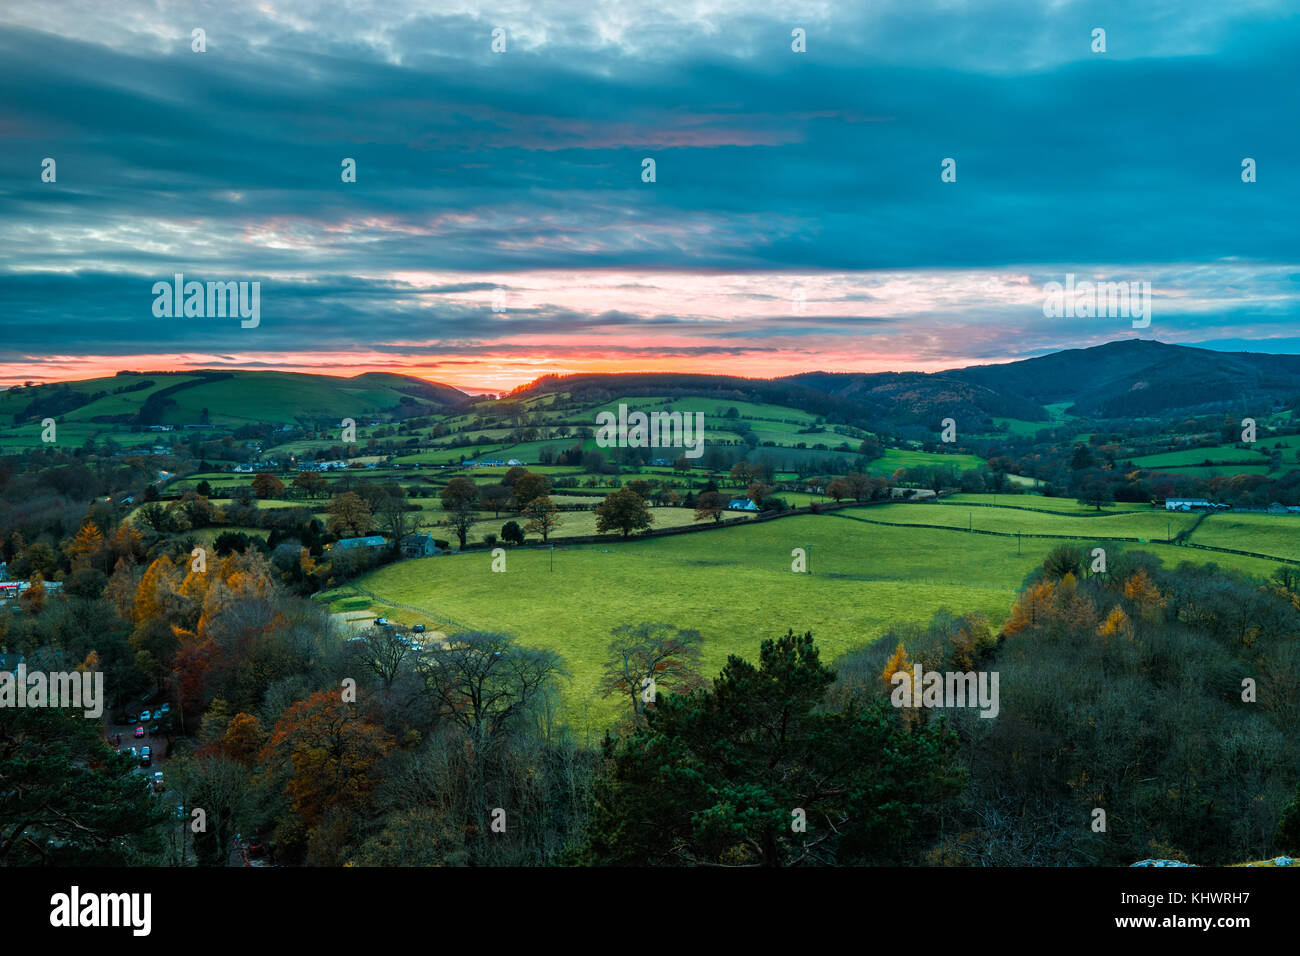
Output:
x=383 y=652
x=397 y=517
x=486 y=683
x=651 y=657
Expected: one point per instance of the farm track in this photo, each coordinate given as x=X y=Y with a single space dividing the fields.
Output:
x=425 y=612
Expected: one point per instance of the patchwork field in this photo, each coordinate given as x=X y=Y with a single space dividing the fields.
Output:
x=735 y=585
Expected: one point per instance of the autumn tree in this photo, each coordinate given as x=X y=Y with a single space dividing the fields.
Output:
x=88 y=548
x=350 y=516
x=710 y=504
x=267 y=486
x=1116 y=624
x=1145 y=593
x=1033 y=605
x=331 y=751
x=839 y=489
x=311 y=484
x=243 y=739
x=543 y=517
x=742 y=473
x=528 y=487
x=758 y=492
x=126 y=542
x=624 y=510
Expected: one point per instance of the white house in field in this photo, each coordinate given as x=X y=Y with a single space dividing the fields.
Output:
x=1186 y=504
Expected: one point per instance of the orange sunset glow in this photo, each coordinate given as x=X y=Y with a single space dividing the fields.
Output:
x=491 y=371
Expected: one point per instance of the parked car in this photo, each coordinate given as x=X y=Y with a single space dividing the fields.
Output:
x=139 y=731
x=153 y=729
x=135 y=754
x=144 y=716
x=418 y=628
x=158 y=785
x=146 y=757
x=382 y=622
x=164 y=709
x=132 y=718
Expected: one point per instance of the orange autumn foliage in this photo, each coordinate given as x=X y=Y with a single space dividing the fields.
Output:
x=1030 y=608
x=332 y=751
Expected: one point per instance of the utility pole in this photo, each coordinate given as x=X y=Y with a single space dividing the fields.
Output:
x=552 y=557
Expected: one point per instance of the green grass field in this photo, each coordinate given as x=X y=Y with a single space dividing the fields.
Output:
x=1215 y=471
x=1199 y=456
x=1149 y=525
x=896 y=458
x=1264 y=534
x=1041 y=503
x=736 y=586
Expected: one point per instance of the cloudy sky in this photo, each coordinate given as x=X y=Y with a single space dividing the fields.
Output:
x=797 y=219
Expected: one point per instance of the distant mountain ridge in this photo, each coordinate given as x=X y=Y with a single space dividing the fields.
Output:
x=1137 y=377
x=1128 y=378
x=1131 y=378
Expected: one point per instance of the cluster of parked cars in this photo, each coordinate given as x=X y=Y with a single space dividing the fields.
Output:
x=385 y=622
x=156 y=721
x=142 y=754
x=147 y=723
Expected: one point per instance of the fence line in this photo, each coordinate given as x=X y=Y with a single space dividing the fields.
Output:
x=1071 y=537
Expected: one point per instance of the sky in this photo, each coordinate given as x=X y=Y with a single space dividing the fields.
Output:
x=501 y=225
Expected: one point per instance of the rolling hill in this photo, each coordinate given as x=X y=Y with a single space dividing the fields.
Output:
x=226 y=398
x=1129 y=378
x=1136 y=377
